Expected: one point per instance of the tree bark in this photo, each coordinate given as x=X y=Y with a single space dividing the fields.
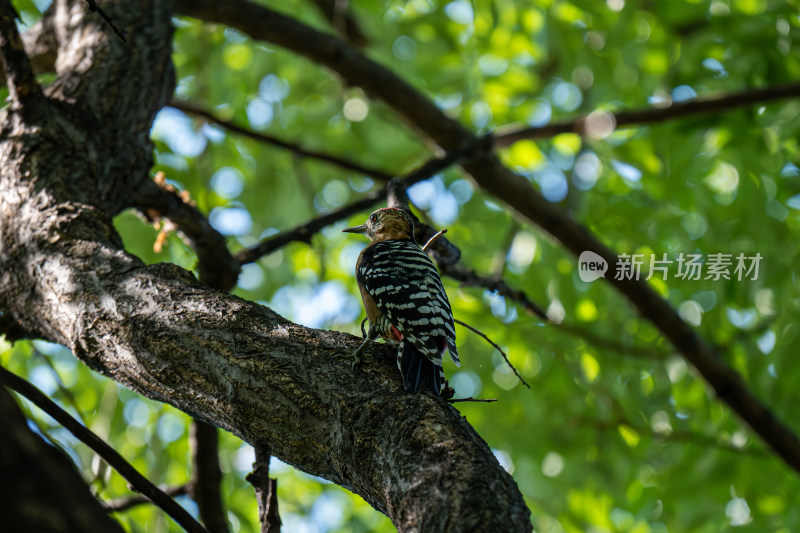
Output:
x=74 y=159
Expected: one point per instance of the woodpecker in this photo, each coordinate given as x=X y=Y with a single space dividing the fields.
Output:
x=404 y=299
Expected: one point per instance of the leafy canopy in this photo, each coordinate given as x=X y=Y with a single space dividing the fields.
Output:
x=617 y=434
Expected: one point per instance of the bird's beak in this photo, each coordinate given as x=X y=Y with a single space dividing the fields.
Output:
x=356 y=229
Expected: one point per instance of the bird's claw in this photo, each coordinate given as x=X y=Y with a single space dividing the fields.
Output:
x=358 y=351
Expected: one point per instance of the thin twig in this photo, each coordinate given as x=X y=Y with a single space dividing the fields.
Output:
x=194 y=109
x=468 y=277
x=471 y=399
x=127 y=502
x=304 y=232
x=433 y=239
x=490 y=341
x=641 y=117
x=110 y=455
x=122 y=34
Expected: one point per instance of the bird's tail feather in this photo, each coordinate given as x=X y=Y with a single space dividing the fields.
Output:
x=417 y=370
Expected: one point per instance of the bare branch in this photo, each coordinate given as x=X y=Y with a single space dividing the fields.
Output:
x=471 y=399
x=22 y=84
x=266 y=490
x=216 y=265
x=63 y=389
x=605 y=122
x=469 y=278
x=193 y=109
x=304 y=232
x=496 y=347
x=207 y=476
x=433 y=239
x=99 y=446
x=128 y=502
x=260 y=22
x=342 y=21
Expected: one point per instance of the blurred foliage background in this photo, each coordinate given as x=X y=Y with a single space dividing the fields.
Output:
x=617 y=433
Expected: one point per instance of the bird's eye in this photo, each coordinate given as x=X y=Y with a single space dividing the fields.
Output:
x=373 y=217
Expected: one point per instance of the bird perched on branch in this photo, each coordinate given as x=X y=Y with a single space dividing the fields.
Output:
x=404 y=299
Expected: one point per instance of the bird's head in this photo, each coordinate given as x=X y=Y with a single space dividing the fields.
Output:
x=386 y=224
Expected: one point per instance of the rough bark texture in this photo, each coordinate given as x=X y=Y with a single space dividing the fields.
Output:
x=76 y=159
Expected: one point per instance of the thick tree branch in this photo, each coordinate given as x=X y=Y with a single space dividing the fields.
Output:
x=193 y=109
x=99 y=446
x=40 y=44
x=241 y=367
x=216 y=266
x=41 y=490
x=206 y=484
x=377 y=80
x=22 y=84
x=328 y=50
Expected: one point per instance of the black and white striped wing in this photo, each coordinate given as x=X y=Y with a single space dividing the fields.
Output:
x=406 y=287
